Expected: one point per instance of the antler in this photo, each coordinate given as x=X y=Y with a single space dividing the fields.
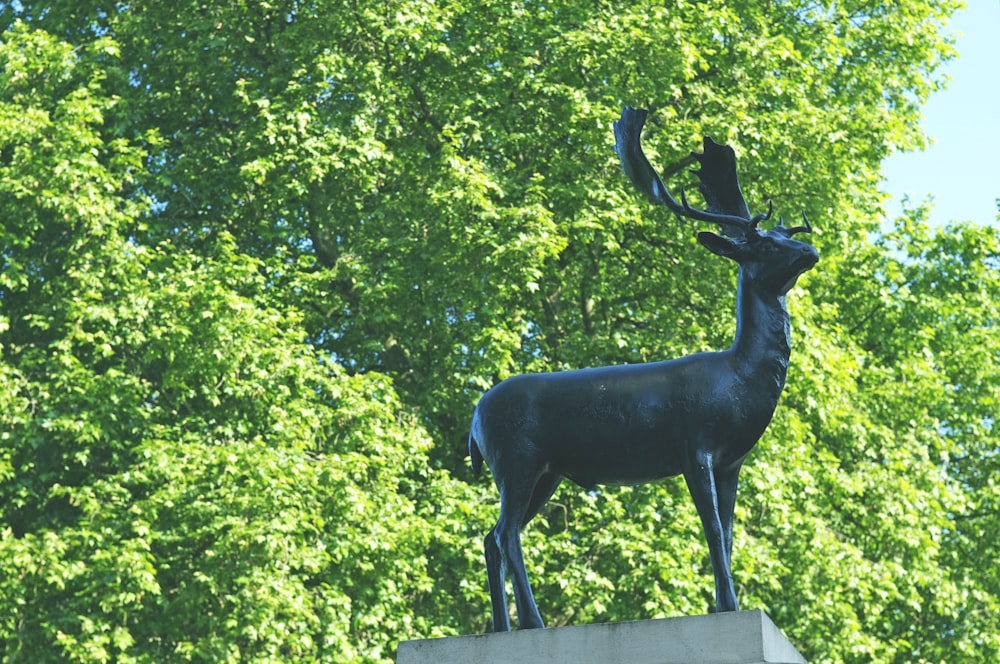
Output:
x=634 y=162
x=805 y=228
x=719 y=183
x=724 y=219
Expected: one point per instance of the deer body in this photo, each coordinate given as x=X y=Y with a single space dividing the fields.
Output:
x=697 y=416
x=631 y=423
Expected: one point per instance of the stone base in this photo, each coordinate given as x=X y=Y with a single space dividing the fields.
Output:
x=742 y=637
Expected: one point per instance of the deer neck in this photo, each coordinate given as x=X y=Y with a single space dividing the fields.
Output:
x=763 y=338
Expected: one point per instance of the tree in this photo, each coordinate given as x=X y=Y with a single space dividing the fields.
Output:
x=183 y=475
x=260 y=259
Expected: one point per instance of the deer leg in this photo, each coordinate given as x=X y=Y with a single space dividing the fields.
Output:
x=544 y=489
x=496 y=573
x=515 y=499
x=726 y=482
x=700 y=476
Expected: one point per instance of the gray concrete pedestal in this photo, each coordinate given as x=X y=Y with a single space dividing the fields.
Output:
x=742 y=637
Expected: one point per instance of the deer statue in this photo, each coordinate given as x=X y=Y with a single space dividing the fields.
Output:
x=697 y=416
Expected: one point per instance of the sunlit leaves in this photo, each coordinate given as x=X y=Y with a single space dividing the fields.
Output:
x=258 y=260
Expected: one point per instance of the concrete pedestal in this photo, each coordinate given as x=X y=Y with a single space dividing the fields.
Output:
x=743 y=637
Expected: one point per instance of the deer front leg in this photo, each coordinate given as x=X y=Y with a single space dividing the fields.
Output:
x=699 y=473
x=726 y=482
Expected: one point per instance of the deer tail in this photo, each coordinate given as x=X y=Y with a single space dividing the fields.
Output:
x=475 y=454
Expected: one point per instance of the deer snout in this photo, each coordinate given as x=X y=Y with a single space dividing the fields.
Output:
x=810 y=256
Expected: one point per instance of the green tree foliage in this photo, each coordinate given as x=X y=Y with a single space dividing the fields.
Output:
x=259 y=259
x=183 y=475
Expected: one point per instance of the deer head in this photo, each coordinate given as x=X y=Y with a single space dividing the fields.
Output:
x=741 y=238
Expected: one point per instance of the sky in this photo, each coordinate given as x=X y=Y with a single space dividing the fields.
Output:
x=961 y=169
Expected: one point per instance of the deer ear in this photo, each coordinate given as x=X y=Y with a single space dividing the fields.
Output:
x=719 y=245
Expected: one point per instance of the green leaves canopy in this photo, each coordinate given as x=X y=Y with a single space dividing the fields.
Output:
x=260 y=259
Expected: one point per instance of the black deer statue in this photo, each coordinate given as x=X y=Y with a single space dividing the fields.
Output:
x=697 y=416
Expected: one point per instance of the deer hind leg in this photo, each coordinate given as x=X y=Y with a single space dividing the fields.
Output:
x=544 y=488
x=496 y=573
x=700 y=476
x=520 y=501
